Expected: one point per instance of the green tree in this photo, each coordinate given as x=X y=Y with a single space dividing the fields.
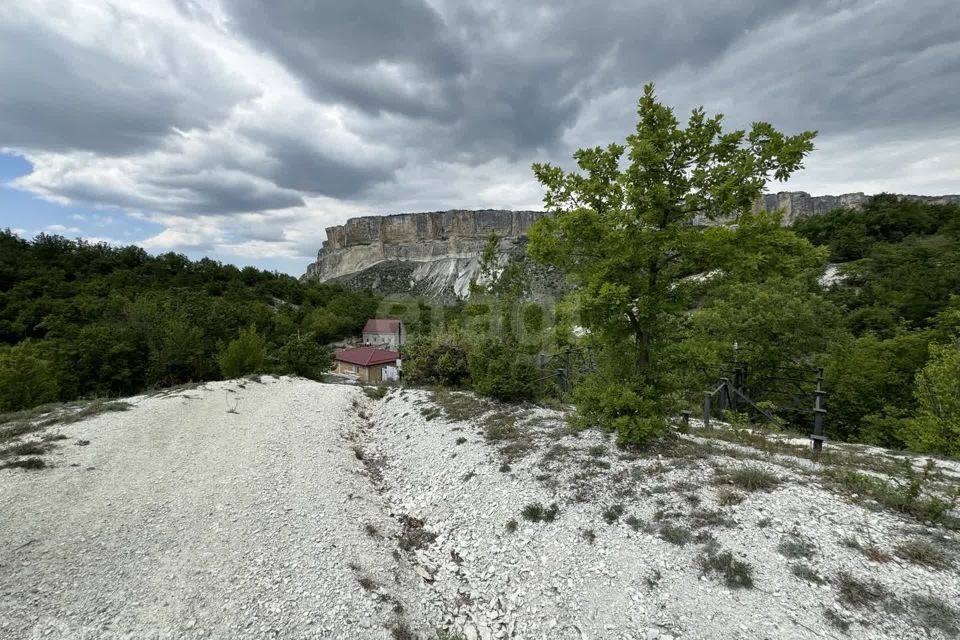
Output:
x=628 y=237
x=302 y=355
x=26 y=379
x=936 y=428
x=244 y=355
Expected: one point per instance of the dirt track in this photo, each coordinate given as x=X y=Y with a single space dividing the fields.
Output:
x=180 y=519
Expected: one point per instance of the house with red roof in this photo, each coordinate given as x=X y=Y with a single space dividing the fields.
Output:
x=368 y=364
x=384 y=332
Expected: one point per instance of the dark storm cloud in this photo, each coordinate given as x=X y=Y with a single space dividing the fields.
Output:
x=339 y=50
x=201 y=109
x=59 y=95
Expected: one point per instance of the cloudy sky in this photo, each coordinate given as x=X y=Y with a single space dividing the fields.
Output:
x=240 y=129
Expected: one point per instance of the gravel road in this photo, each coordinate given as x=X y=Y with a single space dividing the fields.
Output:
x=183 y=520
x=291 y=509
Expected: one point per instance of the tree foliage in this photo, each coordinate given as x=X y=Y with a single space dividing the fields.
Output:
x=629 y=239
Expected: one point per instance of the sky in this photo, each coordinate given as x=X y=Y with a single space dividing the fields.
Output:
x=240 y=129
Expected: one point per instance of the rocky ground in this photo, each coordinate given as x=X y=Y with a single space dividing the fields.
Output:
x=286 y=508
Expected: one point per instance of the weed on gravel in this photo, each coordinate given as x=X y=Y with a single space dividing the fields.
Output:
x=836 y=620
x=736 y=574
x=704 y=518
x=804 y=572
x=589 y=535
x=796 y=547
x=375 y=393
x=634 y=522
x=936 y=613
x=675 y=534
x=29 y=463
x=728 y=497
x=906 y=497
x=24 y=449
x=924 y=552
x=858 y=593
x=749 y=478
x=612 y=513
x=536 y=512
x=512 y=525
x=414 y=535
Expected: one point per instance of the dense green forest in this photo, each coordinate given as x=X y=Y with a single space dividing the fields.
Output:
x=80 y=320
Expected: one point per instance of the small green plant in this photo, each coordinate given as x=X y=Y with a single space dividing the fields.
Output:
x=634 y=522
x=764 y=522
x=512 y=525
x=736 y=574
x=375 y=393
x=461 y=440
x=749 y=478
x=804 y=572
x=536 y=512
x=371 y=530
x=612 y=513
x=675 y=534
x=589 y=535
x=922 y=551
x=598 y=450
x=796 y=547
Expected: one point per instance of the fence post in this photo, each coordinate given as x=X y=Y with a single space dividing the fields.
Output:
x=819 y=410
x=707 y=399
x=724 y=395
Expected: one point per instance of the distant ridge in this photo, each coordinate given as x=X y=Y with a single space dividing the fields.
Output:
x=437 y=253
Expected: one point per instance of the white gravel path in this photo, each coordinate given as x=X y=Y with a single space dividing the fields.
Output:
x=316 y=512
x=182 y=520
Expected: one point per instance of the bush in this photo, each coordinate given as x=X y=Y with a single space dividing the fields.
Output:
x=244 y=355
x=936 y=429
x=499 y=371
x=536 y=512
x=438 y=360
x=304 y=356
x=26 y=380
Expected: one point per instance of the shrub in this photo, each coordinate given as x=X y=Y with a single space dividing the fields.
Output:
x=727 y=497
x=244 y=355
x=936 y=429
x=304 y=356
x=804 y=572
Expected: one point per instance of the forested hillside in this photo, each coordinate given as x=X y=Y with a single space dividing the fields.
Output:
x=79 y=320
x=894 y=374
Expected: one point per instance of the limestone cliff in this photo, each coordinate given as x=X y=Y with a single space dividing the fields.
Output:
x=436 y=254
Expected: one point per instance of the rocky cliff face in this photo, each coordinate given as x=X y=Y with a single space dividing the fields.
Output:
x=440 y=249
x=437 y=254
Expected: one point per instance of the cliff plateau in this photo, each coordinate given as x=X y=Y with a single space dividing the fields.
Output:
x=437 y=254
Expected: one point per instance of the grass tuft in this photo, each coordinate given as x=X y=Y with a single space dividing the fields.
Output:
x=612 y=513
x=675 y=534
x=921 y=551
x=750 y=479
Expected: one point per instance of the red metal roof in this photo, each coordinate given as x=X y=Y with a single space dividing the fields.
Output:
x=367 y=356
x=382 y=326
